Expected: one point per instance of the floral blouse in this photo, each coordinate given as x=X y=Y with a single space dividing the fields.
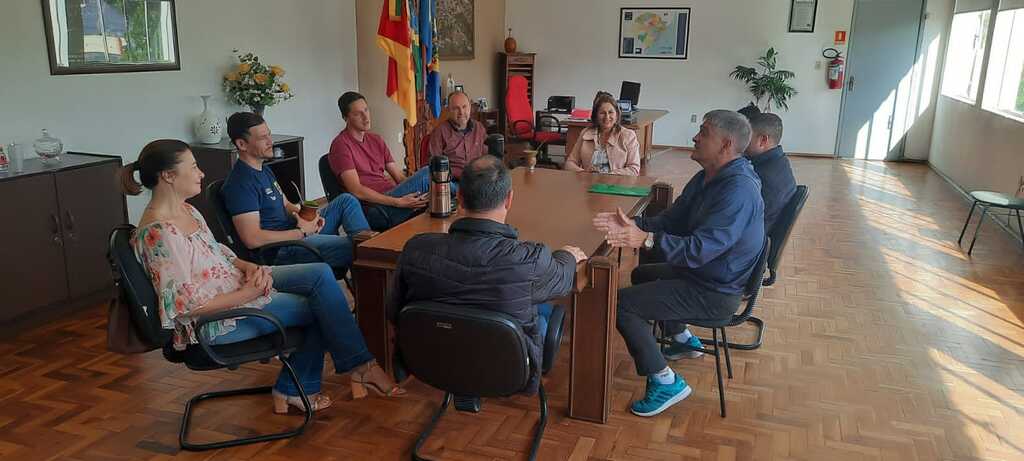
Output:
x=188 y=270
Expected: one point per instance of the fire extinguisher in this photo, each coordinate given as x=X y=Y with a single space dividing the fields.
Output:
x=836 y=68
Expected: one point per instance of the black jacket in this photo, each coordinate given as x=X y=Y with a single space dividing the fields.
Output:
x=480 y=263
x=777 y=183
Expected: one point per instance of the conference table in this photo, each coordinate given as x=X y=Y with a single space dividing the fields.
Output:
x=642 y=122
x=553 y=207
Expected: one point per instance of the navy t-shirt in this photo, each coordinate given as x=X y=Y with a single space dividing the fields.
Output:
x=247 y=189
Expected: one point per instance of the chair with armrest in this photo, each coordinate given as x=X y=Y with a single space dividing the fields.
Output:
x=527 y=126
x=375 y=214
x=139 y=293
x=447 y=347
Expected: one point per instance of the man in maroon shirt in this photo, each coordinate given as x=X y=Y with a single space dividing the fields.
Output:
x=363 y=164
x=460 y=139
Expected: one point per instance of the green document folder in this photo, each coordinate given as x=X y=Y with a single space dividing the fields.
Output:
x=613 y=189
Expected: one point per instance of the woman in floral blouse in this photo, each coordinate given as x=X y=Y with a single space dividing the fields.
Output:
x=196 y=276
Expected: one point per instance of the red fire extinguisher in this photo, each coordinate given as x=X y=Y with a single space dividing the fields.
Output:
x=836 y=68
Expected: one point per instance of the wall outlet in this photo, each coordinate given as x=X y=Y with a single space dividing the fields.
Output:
x=693 y=118
x=817 y=64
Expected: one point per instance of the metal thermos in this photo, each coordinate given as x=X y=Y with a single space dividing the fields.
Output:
x=440 y=187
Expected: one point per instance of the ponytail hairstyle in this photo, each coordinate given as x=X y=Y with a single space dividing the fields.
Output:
x=157 y=157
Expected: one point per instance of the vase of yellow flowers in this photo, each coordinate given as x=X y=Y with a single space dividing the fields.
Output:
x=255 y=84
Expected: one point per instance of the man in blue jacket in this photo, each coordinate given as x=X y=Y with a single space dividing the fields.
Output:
x=711 y=238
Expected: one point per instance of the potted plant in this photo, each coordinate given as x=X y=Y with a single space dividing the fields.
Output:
x=770 y=84
x=254 y=84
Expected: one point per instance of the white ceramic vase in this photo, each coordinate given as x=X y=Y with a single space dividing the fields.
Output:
x=207 y=126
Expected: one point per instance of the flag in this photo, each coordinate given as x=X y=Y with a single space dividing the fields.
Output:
x=428 y=39
x=395 y=38
x=417 y=49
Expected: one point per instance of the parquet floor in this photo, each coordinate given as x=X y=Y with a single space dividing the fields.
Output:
x=884 y=342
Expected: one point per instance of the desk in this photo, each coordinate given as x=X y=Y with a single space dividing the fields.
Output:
x=597 y=279
x=642 y=122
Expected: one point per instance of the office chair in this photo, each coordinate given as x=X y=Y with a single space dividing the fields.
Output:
x=750 y=290
x=375 y=214
x=525 y=124
x=472 y=352
x=141 y=296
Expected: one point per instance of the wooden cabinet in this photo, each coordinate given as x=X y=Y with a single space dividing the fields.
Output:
x=57 y=222
x=216 y=161
x=510 y=64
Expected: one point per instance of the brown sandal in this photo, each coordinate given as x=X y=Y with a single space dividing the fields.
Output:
x=282 y=403
x=374 y=377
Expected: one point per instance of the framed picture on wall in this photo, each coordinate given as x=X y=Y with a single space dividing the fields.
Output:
x=654 y=33
x=802 y=14
x=455 y=29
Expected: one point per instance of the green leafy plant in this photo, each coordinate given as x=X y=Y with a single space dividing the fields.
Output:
x=768 y=83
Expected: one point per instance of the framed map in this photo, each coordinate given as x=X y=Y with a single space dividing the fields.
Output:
x=455 y=29
x=654 y=33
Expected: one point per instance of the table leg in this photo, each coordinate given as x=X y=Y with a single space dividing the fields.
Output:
x=371 y=312
x=593 y=327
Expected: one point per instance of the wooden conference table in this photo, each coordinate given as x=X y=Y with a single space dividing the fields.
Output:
x=552 y=207
x=642 y=122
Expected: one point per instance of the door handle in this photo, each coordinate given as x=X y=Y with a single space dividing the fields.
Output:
x=71 y=225
x=850 y=84
x=55 y=230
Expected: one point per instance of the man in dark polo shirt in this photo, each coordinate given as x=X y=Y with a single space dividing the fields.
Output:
x=777 y=182
x=461 y=139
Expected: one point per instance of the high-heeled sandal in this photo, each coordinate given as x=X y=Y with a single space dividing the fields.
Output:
x=282 y=402
x=361 y=380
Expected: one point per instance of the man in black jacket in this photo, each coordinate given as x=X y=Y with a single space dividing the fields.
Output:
x=480 y=262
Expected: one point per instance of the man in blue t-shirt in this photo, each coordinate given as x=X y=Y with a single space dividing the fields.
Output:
x=263 y=215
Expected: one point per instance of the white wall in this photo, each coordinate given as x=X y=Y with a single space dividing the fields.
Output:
x=314 y=40
x=575 y=41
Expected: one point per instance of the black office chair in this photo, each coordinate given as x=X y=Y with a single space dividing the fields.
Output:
x=779 y=235
x=470 y=352
x=262 y=255
x=750 y=291
x=138 y=288
x=375 y=215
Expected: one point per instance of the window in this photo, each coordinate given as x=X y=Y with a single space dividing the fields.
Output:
x=965 y=53
x=1004 y=88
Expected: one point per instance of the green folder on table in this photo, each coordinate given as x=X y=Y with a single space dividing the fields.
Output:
x=614 y=189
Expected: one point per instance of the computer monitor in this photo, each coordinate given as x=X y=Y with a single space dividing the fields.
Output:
x=630 y=92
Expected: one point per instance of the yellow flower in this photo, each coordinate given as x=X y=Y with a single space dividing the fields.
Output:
x=277 y=71
x=231 y=76
x=260 y=78
x=285 y=88
x=243 y=68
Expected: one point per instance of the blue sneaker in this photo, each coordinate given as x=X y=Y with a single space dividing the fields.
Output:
x=661 y=396
x=691 y=349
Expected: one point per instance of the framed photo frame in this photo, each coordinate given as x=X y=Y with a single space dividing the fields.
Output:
x=456 y=29
x=96 y=37
x=802 y=15
x=654 y=33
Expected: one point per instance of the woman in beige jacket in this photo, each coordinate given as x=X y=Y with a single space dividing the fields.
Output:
x=606 y=146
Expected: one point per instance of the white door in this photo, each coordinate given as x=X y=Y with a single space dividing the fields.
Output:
x=880 y=66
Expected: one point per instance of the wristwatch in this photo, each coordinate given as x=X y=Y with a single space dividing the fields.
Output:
x=649 y=241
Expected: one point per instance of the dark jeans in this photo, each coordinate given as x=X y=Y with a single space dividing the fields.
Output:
x=659 y=294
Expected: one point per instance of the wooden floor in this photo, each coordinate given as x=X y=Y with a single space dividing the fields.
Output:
x=885 y=341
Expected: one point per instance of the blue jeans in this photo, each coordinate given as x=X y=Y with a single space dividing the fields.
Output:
x=385 y=216
x=343 y=212
x=543 y=316
x=308 y=296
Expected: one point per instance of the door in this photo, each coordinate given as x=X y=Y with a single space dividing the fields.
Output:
x=91 y=204
x=32 y=273
x=883 y=46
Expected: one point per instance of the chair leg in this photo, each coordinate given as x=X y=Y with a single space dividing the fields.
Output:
x=758 y=327
x=977 y=228
x=718 y=373
x=187 y=417
x=968 y=221
x=430 y=427
x=539 y=434
x=728 y=361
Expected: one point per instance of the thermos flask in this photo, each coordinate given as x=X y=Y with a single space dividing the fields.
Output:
x=440 y=187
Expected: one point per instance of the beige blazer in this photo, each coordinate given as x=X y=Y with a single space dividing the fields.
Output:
x=623 y=152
